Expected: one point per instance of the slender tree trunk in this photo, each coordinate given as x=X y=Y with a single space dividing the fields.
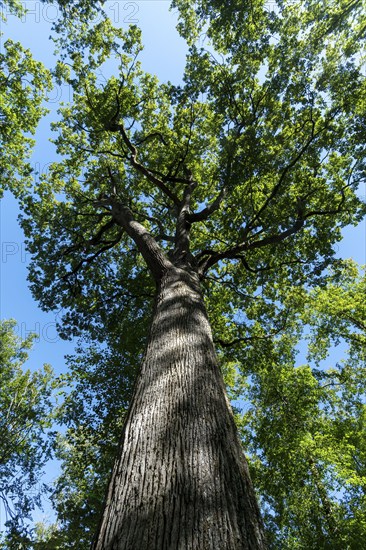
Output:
x=181 y=480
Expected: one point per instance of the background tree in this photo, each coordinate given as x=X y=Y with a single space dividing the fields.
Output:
x=26 y=403
x=24 y=83
x=239 y=181
x=305 y=423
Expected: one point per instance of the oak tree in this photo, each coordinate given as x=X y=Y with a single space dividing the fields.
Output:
x=195 y=201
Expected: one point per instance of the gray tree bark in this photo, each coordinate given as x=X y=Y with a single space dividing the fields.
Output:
x=181 y=480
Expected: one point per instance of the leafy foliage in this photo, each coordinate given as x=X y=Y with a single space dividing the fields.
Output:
x=26 y=404
x=306 y=423
x=24 y=83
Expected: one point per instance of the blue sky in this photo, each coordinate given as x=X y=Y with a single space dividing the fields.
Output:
x=164 y=55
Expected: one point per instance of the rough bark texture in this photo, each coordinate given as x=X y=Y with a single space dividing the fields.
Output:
x=181 y=481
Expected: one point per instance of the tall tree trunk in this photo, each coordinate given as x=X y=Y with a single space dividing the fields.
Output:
x=181 y=480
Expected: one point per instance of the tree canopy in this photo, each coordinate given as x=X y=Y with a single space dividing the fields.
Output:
x=271 y=140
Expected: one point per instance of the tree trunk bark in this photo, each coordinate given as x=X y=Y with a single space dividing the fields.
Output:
x=181 y=480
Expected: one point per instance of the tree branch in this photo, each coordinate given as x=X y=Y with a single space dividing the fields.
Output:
x=225 y=344
x=182 y=245
x=206 y=212
x=90 y=259
x=162 y=235
x=216 y=203
x=153 y=255
x=132 y=158
x=274 y=239
x=236 y=251
x=284 y=173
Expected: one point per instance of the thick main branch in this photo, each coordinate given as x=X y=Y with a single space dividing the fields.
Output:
x=183 y=225
x=211 y=257
x=156 y=260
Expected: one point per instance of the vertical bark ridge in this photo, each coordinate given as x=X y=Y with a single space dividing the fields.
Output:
x=181 y=481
